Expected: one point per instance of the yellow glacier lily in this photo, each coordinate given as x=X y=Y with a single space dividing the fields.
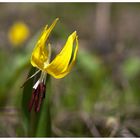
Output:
x=59 y=67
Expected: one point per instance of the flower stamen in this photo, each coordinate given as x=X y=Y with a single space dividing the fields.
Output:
x=38 y=93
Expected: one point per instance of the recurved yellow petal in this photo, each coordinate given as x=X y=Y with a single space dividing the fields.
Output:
x=64 y=61
x=40 y=52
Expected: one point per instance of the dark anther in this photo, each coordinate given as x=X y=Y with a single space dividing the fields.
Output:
x=41 y=96
x=37 y=96
x=32 y=100
x=44 y=88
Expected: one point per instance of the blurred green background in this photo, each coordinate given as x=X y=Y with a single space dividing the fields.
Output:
x=101 y=95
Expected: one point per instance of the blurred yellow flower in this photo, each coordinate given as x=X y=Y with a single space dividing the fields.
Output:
x=59 y=67
x=18 y=33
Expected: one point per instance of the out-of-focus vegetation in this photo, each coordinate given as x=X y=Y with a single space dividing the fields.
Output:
x=100 y=97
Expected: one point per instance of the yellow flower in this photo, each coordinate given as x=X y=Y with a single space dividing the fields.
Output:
x=62 y=63
x=18 y=33
x=59 y=67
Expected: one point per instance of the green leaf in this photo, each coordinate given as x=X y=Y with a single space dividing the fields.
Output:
x=131 y=67
x=27 y=91
x=89 y=62
x=36 y=124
